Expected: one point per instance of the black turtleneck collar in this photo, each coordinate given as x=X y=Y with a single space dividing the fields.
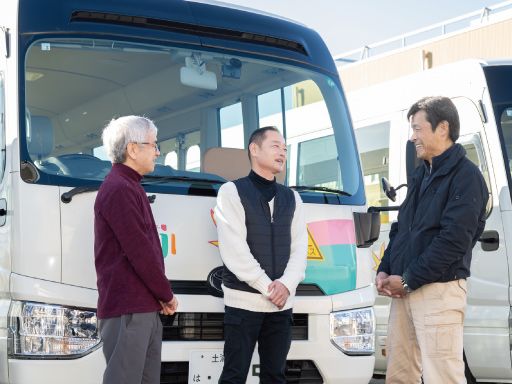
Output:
x=260 y=179
x=266 y=187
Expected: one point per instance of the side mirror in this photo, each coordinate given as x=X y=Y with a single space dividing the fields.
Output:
x=367 y=226
x=411 y=163
x=388 y=189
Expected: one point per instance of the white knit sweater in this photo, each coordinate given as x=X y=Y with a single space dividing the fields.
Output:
x=236 y=255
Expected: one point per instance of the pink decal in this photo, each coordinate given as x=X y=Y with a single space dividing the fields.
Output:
x=330 y=232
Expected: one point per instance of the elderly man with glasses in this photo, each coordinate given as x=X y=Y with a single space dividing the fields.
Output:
x=132 y=286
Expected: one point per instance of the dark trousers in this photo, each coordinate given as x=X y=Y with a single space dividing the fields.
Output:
x=132 y=346
x=242 y=329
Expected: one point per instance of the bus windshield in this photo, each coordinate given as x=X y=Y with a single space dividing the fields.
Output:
x=199 y=101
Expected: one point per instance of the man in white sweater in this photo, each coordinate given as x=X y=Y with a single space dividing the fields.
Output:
x=263 y=244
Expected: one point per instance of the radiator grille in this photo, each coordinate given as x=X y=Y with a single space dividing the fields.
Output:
x=197 y=326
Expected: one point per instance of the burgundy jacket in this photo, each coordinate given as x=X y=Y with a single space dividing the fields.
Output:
x=128 y=256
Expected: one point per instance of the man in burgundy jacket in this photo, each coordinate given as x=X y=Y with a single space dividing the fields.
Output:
x=132 y=286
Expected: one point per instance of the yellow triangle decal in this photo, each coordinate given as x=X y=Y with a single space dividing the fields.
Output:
x=314 y=252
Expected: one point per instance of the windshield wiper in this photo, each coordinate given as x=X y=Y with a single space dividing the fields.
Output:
x=321 y=189
x=66 y=197
x=153 y=179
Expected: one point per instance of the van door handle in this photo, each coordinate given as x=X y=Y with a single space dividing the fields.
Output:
x=490 y=240
x=3 y=212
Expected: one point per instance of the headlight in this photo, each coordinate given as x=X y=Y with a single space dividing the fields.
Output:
x=353 y=331
x=43 y=331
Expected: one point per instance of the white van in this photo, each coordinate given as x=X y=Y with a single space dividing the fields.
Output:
x=482 y=92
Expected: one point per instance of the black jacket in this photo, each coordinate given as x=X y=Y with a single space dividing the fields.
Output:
x=439 y=222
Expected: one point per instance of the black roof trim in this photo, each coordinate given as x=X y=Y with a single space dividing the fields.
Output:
x=199 y=30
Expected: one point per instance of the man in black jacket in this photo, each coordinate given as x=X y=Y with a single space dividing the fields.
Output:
x=428 y=258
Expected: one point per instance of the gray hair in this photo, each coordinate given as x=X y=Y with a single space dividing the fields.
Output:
x=123 y=130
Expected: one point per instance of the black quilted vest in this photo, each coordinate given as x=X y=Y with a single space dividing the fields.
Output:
x=269 y=238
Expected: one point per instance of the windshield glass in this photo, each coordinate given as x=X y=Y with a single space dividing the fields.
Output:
x=205 y=105
x=499 y=79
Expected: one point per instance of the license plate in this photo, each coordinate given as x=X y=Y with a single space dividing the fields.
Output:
x=205 y=366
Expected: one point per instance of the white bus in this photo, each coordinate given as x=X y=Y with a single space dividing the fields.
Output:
x=208 y=75
x=482 y=93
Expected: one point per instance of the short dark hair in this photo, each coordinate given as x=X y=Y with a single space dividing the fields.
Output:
x=258 y=136
x=438 y=109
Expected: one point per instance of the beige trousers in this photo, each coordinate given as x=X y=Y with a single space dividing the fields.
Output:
x=425 y=333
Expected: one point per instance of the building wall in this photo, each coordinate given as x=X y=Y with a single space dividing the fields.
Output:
x=489 y=41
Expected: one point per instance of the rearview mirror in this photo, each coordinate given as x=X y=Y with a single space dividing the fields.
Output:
x=194 y=74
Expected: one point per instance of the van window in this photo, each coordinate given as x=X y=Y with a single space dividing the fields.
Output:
x=313 y=150
x=373 y=144
x=270 y=108
x=506 y=128
x=2 y=126
x=318 y=163
x=498 y=79
x=231 y=126
x=171 y=159
x=193 y=158
x=474 y=152
x=193 y=151
x=470 y=125
x=182 y=152
x=169 y=152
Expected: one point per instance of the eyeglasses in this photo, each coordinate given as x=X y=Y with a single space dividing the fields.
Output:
x=155 y=145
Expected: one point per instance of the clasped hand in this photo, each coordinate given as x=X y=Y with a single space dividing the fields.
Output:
x=278 y=293
x=389 y=285
x=170 y=307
